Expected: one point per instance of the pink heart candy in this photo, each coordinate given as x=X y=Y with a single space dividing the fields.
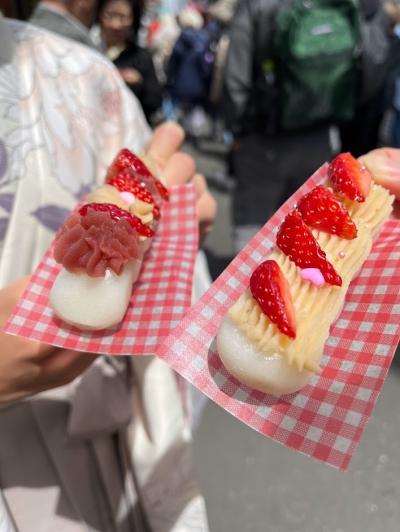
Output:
x=128 y=197
x=313 y=275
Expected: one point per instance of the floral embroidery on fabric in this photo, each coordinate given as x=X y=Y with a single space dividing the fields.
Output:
x=3 y=159
x=111 y=102
x=51 y=216
x=6 y=201
x=63 y=116
x=3 y=227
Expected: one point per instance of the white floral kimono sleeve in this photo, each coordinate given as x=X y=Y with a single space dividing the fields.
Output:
x=64 y=114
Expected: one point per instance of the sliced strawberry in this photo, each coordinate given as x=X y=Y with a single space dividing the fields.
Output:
x=161 y=189
x=128 y=182
x=298 y=243
x=117 y=214
x=321 y=210
x=270 y=289
x=124 y=160
x=349 y=177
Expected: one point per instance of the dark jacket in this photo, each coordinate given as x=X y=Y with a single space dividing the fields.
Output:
x=251 y=37
x=148 y=91
x=190 y=67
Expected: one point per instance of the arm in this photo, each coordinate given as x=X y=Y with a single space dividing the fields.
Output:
x=151 y=89
x=28 y=367
x=239 y=66
x=375 y=25
x=175 y=60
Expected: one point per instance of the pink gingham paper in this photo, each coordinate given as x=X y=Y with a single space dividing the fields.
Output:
x=326 y=419
x=160 y=297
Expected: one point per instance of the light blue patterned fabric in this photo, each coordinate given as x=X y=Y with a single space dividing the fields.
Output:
x=5 y=521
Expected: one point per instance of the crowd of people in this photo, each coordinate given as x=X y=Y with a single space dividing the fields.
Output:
x=166 y=56
x=82 y=445
x=224 y=70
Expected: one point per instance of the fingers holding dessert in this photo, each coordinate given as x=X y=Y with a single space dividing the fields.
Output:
x=101 y=246
x=384 y=164
x=272 y=338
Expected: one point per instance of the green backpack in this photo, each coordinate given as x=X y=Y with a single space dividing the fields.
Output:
x=316 y=58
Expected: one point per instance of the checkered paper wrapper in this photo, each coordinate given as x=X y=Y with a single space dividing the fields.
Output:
x=160 y=297
x=326 y=419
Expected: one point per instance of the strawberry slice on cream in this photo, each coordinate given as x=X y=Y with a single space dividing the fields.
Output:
x=101 y=247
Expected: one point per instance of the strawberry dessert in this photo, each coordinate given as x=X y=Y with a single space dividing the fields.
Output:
x=349 y=178
x=101 y=246
x=272 y=338
x=128 y=182
x=126 y=160
x=296 y=241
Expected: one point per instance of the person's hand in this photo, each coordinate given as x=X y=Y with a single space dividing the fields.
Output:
x=392 y=9
x=176 y=168
x=131 y=76
x=384 y=165
x=28 y=367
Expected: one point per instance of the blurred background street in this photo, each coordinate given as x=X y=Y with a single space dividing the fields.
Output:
x=252 y=484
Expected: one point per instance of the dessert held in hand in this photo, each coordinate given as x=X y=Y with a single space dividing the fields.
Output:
x=272 y=338
x=101 y=246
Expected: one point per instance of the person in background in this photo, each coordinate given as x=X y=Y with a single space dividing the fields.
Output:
x=392 y=93
x=222 y=10
x=87 y=443
x=266 y=164
x=189 y=72
x=162 y=33
x=135 y=64
x=69 y=18
x=279 y=143
x=361 y=134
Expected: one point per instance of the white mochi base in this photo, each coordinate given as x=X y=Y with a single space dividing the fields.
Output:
x=267 y=373
x=93 y=303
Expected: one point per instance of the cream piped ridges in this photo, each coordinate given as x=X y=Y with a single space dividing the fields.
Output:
x=316 y=308
x=375 y=210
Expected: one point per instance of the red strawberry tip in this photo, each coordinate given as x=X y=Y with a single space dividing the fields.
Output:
x=297 y=242
x=270 y=289
x=349 y=177
x=321 y=210
x=124 y=160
